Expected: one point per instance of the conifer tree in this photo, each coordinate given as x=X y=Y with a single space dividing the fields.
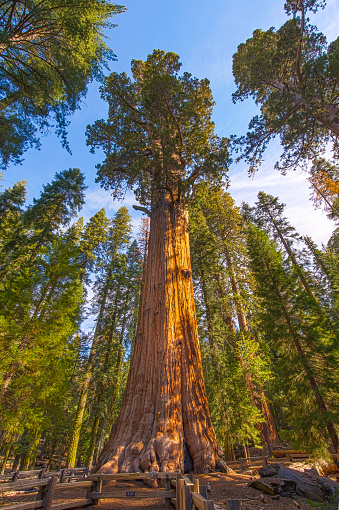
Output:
x=292 y=74
x=219 y=255
x=305 y=351
x=116 y=240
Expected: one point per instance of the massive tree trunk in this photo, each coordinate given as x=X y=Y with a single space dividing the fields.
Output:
x=164 y=418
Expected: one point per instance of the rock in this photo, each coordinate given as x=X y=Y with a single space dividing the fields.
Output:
x=262 y=486
x=269 y=470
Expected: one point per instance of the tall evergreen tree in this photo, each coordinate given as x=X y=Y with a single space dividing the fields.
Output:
x=305 y=351
x=49 y=52
x=292 y=74
x=158 y=140
x=116 y=240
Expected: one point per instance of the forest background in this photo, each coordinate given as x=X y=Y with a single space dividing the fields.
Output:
x=119 y=262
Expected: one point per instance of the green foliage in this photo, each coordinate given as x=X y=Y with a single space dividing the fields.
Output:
x=49 y=51
x=304 y=347
x=292 y=74
x=159 y=134
x=40 y=304
x=235 y=367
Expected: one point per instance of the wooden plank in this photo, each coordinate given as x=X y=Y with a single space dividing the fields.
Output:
x=119 y=476
x=199 y=501
x=187 y=497
x=174 y=502
x=168 y=488
x=203 y=491
x=25 y=474
x=22 y=486
x=74 y=485
x=196 y=485
x=50 y=493
x=234 y=504
x=187 y=480
x=24 y=506
x=129 y=476
x=131 y=494
x=179 y=494
x=210 y=505
x=72 y=504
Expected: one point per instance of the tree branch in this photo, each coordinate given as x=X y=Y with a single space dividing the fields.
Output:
x=142 y=209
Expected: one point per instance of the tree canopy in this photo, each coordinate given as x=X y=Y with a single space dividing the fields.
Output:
x=49 y=51
x=159 y=134
x=293 y=75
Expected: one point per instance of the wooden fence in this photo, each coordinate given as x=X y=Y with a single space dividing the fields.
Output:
x=63 y=475
x=180 y=492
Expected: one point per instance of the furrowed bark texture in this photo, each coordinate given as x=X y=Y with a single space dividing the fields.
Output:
x=164 y=415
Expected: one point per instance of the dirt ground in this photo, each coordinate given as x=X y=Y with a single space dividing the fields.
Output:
x=223 y=487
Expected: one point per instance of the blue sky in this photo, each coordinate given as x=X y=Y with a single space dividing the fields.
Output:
x=205 y=35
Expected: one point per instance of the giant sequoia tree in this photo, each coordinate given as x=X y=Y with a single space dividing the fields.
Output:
x=159 y=140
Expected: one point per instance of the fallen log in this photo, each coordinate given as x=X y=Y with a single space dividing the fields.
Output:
x=308 y=485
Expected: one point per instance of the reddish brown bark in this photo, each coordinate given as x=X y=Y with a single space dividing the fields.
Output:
x=164 y=404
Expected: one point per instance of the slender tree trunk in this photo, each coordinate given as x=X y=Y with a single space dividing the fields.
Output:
x=5 y=459
x=17 y=460
x=211 y=340
x=34 y=450
x=75 y=436
x=164 y=404
x=94 y=433
x=331 y=427
x=268 y=429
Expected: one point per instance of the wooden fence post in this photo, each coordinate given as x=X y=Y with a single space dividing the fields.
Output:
x=234 y=504
x=168 y=488
x=187 y=498
x=96 y=487
x=196 y=485
x=42 y=472
x=203 y=491
x=50 y=493
x=180 y=494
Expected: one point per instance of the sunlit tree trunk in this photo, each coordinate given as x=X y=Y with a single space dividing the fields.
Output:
x=164 y=404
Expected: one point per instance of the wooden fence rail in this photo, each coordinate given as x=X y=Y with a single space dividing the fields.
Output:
x=63 y=474
x=180 y=492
